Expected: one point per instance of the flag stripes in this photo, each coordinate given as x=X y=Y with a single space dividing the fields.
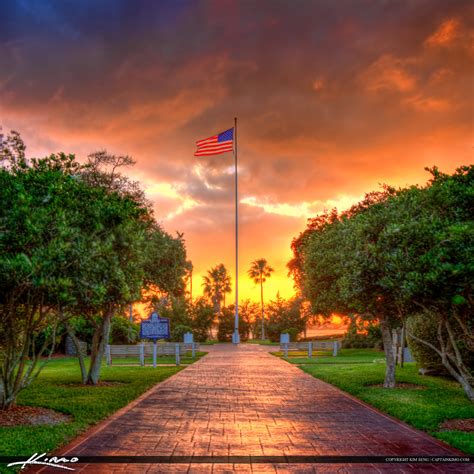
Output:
x=216 y=144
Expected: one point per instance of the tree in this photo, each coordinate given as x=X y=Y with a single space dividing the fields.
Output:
x=35 y=236
x=135 y=255
x=342 y=269
x=177 y=310
x=202 y=317
x=396 y=252
x=123 y=331
x=429 y=249
x=74 y=240
x=226 y=325
x=189 y=267
x=216 y=284
x=283 y=316
x=250 y=312
x=259 y=271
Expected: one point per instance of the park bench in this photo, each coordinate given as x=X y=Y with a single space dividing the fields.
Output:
x=309 y=346
x=176 y=349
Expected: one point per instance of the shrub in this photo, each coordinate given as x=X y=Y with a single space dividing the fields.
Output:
x=293 y=332
x=426 y=328
x=202 y=316
x=371 y=337
x=177 y=333
x=284 y=315
x=226 y=326
x=122 y=331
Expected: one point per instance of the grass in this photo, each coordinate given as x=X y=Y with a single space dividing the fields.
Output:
x=58 y=388
x=345 y=356
x=262 y=342
x=168 y=359
x=354 y=370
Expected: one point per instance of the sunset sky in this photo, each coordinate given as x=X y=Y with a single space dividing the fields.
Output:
x=333 y=98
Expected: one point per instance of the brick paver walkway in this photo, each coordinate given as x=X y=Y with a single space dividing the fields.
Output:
x=244 y=401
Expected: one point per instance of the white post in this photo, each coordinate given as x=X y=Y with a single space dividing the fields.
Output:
x=310 y=349
x=177 y=354
x=286 y=349
x=154 y=353
x=142 y=354
x=194 y=349
x=334 y=348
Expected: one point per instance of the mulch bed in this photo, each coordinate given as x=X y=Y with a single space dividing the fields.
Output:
x=466 y=424
x=22 y=415
x=405 y=385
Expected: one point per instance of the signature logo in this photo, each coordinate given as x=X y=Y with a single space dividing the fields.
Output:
x=40 y=459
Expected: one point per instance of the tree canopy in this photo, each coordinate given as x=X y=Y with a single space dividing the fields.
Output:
x=394 y=254
x=74 y=239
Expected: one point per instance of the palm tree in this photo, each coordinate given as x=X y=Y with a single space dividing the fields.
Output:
x=216 y=284
x=259 y=271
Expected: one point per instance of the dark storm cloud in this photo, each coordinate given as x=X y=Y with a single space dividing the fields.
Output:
x=333 y=97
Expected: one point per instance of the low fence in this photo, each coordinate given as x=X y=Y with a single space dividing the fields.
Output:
x=309 y=346
x=177 y=350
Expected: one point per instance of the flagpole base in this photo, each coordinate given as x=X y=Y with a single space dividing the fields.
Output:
x=235 y=337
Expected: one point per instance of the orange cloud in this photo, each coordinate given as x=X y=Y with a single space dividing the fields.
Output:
x=388 y=73
x=445 y=34
x=428 y=104
x=331 y=102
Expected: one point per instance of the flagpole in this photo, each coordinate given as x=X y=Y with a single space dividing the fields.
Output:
x=236 y=336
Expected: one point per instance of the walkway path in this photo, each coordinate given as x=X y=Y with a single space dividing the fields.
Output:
x=244 y=401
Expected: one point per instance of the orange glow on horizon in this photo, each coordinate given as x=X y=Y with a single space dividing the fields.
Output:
x=318 y=126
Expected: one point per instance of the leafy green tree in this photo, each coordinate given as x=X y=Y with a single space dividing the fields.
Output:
x=202 y=317
x=226 y=325
x=130 y=253
x=284 y=315
x=123 y=331
x=177 y=310
x=392 y=254
x=74 y=240
x=360 y=335
x=259 y=271
x=35 y=236
x=429 y=249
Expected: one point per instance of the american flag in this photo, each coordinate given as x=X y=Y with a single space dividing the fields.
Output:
x=216 y=144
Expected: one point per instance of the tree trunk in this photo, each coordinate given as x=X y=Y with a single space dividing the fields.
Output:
x=460 y=378
x=99 y=341
x=7 y=398
x=80 y=355
x=389 y=381
x=261 y=301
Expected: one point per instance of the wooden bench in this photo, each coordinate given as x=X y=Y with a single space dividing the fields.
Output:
x=147 y=349
x=309 y=346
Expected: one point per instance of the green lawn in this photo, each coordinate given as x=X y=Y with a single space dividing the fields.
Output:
x=168 y=359
x=353 y=370
x=263 y=342
x=58 y=388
